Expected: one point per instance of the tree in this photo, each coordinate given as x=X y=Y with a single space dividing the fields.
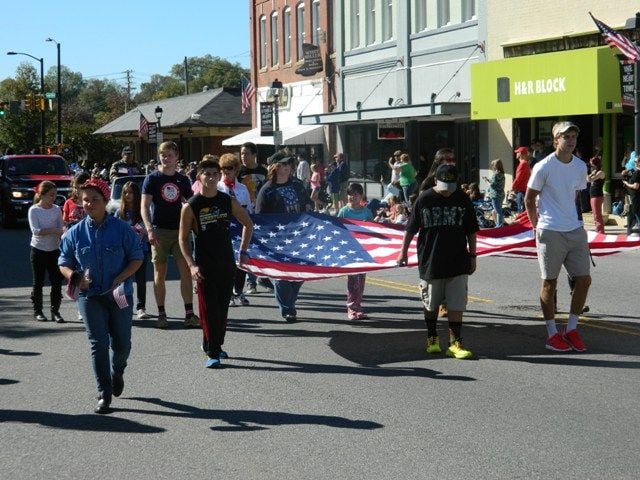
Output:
x=20 y=131
x=208 y=70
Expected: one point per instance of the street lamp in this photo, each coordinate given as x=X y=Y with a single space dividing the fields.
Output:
x=276 y=91
x=43 y=141
x=58 y=95
x=158 y=111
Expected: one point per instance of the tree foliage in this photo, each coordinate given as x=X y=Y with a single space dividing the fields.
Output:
x=207 y=71
x=88 y=104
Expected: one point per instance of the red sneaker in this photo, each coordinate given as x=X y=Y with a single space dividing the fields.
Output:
x=572 y=337
x=557 y=344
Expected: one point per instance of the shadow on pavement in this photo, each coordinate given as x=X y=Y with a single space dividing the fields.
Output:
x=315 y=368
x=4 y=351
x=247 y=420
x=8 y=381
x=84 y=422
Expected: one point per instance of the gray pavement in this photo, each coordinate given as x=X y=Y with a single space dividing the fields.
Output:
x=330 y=398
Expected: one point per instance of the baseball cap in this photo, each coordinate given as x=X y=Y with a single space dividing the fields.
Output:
x=447 y=177
x=99 y=185
x=521 y=150
x=279 y=157
x=563 y=127
x=127 y=151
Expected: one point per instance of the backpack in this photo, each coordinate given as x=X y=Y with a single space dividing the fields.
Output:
x=617 y=208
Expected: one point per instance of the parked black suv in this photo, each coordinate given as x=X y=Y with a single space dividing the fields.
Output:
x=19 y=175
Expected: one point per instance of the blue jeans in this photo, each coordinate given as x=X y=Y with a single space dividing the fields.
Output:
x=286 y=295
x=520 y=201
x=407 y=191
x=497 y=207
x=107 y=325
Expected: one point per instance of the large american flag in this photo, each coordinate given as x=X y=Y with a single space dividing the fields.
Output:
x=629 y=49
x=248 y=91
x=314 y=246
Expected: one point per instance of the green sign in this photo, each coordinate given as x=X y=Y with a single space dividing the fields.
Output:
x=50 y=95
x=575 y=82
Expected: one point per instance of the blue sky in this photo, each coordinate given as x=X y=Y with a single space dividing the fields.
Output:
x=102 y=39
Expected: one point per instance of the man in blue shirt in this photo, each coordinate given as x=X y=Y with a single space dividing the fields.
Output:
x=98 y=256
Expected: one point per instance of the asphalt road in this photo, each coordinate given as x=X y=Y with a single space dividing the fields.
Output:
x=329 y=398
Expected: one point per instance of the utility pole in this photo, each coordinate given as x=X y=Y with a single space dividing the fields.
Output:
x=186 y=76
x=128 y=97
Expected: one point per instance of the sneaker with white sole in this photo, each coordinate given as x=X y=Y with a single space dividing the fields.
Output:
x=557 y=344
x=242 y=299
x=251 y=290
x=142 y=315
x=572 y=338
x=233 y=301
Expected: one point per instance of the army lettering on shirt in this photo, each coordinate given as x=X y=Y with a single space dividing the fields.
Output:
x=446 y=216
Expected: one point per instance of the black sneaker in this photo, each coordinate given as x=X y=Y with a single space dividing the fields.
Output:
x=290 y=318
x=56 y=317
x=117 y=384
x=103 y=406
x=39 y=316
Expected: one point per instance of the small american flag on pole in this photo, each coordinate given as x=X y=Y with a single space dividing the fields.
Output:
x=629 y=49
x=248 y=91
x=143 y=126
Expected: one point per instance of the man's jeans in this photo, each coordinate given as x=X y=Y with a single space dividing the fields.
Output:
x=520 y=201
x=286 y=295
x=107 y=324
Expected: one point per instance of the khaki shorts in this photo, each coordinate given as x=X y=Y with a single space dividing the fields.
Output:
x=452 y=291
x=343 y=191
x=168 y=244
x=556 y=249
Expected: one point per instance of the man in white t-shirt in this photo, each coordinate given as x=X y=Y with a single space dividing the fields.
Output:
x=303 y=172
x=556 y=182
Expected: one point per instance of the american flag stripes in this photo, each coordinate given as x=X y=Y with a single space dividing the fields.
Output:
x=120 y=297
x=248 y=91
x=313 y=246
x=143 y=126
x=629 y=49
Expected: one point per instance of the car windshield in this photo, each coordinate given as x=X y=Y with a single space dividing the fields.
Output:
x=118 y=184
x=37 y=166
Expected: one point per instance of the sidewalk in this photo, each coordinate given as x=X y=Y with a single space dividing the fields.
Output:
x=613 y=224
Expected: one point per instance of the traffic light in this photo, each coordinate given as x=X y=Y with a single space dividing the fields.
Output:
x=29 y=102
x=39 y=103
x=4 y=107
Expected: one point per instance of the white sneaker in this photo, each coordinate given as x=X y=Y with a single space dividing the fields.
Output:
x=79 y=316
x=232 y=302
x=142 y=315
x=251 y=290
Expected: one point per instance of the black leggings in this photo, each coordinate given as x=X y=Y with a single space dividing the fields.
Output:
x=45 y=262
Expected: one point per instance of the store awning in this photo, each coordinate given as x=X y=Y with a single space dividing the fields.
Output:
x=573 y=82
x=424 y=112
x=291 y=135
